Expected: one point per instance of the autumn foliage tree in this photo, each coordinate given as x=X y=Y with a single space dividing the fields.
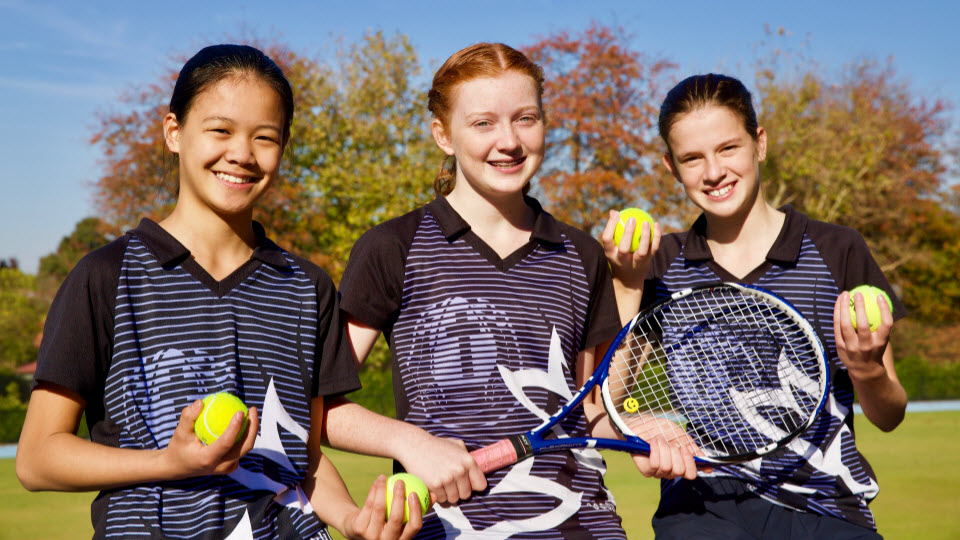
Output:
x=864 y=151
x=601 y=100
x=356 y=156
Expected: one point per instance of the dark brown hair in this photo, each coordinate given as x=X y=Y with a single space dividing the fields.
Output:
x=699 y=91
x=218 y=62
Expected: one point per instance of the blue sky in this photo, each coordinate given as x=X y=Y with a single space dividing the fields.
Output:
x=61 y=62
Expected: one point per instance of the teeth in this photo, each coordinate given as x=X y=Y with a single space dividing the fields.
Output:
x=720 y=192
x=506 y=164
x=230 y=178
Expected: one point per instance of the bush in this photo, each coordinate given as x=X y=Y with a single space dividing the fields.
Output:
x=924 y=381
x=377 y=391
x=12 y=413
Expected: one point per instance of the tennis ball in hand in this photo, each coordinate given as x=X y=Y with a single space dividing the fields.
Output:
x=870 y=303
x=217 y=411
x=411 y=484
x=640 y=216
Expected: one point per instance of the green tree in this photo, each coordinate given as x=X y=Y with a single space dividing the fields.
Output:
x=21 y=318
x=864 y=151
x=88 y=234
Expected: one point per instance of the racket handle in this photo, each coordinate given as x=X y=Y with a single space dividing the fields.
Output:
x=502 y=453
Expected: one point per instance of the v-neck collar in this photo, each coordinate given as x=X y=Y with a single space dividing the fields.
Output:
x=170 y=253
x=546 y=232
x=785 y=250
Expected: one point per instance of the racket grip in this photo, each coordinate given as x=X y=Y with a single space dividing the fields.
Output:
x=500 y=454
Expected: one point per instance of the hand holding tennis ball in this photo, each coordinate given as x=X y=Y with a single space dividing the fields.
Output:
x=870 y=304
x=411 y=484
x=218 y=410
x=640 y=216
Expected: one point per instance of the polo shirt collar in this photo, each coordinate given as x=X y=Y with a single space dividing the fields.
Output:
x=785 y=249
x=546 y=229
x=170 y=252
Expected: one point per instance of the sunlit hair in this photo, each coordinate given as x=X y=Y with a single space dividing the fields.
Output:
x=478 y=61
x=219 y=62
x=700 y=91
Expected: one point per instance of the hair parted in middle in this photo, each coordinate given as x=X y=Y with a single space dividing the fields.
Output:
x=481 y=60
x=700 y=91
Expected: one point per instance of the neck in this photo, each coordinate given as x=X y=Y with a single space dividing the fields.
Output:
x=757 y=220
x=220 y=244
x=486 y=213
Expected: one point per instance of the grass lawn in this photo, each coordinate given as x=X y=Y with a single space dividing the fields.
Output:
x=919 y=497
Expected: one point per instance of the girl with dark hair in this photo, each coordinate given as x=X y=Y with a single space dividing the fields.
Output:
x=818 y=486
x=202 y=302
x=493 y=311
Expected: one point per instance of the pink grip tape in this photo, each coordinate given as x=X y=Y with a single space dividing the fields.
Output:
x=495 y=456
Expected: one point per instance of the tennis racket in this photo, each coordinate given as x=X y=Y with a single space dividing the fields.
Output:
x=730 y=371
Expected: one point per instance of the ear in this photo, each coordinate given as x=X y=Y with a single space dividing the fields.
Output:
x=761 y=144
x=667 y=161
x=441 y=137
x=171 y=132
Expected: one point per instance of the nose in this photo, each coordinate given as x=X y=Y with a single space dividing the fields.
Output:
x=714 y=170
x=240 y=151
x=508 y=141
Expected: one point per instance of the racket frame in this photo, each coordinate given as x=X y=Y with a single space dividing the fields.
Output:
x=518 y=447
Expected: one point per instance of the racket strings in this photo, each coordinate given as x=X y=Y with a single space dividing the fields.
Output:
x=722 y=372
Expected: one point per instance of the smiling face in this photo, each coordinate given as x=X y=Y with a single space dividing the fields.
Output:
x=230 y=145
x=495 y=130
x=717 y=161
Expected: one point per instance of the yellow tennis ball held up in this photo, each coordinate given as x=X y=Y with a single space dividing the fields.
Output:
x=411 y=484
x=870 y=304
x=640 y=216
x=218 y=410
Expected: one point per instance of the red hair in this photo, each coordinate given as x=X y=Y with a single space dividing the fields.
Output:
x=483 y=60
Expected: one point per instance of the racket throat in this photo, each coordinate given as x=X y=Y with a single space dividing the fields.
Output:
x=521 y=444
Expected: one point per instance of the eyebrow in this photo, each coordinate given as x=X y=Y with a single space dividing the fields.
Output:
x=522 y=109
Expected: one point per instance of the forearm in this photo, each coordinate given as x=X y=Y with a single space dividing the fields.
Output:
x=883 y=400
x=351 y=427
x=881 y=396
x=50 y=456
x=65 y=462
x=328 y=493
x=628 y=301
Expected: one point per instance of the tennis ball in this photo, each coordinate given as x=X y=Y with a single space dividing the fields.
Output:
x=411 y=484
x=870 y=303
x=640 y=216
x=217 y=411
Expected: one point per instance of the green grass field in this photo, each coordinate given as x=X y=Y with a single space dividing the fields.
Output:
x=919 y=498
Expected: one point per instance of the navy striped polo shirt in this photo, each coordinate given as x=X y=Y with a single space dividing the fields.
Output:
x=140 y=331
x=484 y=348
x=809 y=265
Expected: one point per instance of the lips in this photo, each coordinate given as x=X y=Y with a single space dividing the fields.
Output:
x=721 y=191
x=231 y=179
x=507 y=165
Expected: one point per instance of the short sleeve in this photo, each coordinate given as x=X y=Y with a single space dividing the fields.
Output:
x=852 y=264
x=603 y=319
x=335 y=369
x=372 y=285
x=77 y=344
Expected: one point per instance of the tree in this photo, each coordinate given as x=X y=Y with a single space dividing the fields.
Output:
x=357 y=155
x=363 y=154
x=601 y=100
x=865 y=152
x=88 y=234
x=21 y=316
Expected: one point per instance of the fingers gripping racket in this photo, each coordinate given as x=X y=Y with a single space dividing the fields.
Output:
x=731 y=372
